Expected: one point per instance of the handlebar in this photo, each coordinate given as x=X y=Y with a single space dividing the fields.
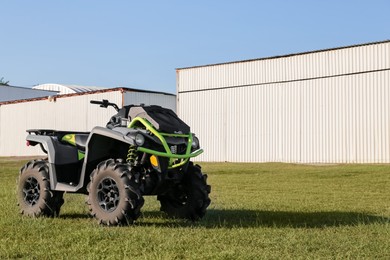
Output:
x=105 y=103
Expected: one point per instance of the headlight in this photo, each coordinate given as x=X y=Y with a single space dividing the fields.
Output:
x=195 y=142
x=139 y=139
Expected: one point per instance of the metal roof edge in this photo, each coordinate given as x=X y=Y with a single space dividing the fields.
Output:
x=146 y=91
x=84 y=93
x=287 y=55
x=33 y=89
x=22 y=100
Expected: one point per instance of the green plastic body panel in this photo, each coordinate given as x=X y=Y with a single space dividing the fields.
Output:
x=71 y=139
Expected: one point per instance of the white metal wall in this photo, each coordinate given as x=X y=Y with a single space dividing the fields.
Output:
x=73 y=113
x=322 y=107
x=69 y=113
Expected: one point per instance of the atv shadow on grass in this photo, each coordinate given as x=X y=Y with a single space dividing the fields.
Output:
x=75 y=216
x=217 y=218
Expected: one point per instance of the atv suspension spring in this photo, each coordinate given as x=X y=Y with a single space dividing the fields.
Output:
x=131 y=155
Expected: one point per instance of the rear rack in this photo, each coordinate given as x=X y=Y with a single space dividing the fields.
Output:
x=51 y=132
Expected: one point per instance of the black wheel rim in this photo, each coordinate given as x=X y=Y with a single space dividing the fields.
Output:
x=108 y=194
x=31 y=191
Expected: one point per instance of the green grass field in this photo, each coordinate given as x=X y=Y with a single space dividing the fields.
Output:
x=258 y=211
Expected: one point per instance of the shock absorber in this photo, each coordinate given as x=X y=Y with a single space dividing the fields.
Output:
x=131 y=155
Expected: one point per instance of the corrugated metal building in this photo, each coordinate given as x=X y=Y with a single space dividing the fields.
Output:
x=326 y=106
x=71 y=112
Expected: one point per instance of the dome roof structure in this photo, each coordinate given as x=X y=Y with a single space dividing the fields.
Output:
x=66 y=89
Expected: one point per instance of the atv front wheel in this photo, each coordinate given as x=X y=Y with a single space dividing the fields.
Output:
x=114 y=196
x=34 y=195
x=189 y=199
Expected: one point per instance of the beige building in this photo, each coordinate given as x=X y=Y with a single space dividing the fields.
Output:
x=326 y=106
x=70 y=112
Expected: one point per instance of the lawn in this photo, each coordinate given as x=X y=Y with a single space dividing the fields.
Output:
x=258 y=211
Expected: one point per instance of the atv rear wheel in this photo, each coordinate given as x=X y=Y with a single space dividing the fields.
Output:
x=114 y=196
x=189 y=199
x=34 y=195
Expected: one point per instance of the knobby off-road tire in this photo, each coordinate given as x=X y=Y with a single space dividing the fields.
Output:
x=190 y=199
x=114 y=195
x=35 y=198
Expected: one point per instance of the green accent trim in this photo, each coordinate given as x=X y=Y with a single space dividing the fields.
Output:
x=173 y=161
x=150 y=127
x=175 y=156
x=69 y=138
x=80 y=154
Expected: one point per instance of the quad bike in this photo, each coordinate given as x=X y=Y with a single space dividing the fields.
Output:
x=143 y=150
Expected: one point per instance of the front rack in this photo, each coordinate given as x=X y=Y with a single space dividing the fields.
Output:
x=175 y=160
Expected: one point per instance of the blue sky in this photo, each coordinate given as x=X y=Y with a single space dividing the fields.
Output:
x=139 y=44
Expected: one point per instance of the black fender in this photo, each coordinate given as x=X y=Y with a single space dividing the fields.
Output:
x=57 y=154
x=103 y=144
